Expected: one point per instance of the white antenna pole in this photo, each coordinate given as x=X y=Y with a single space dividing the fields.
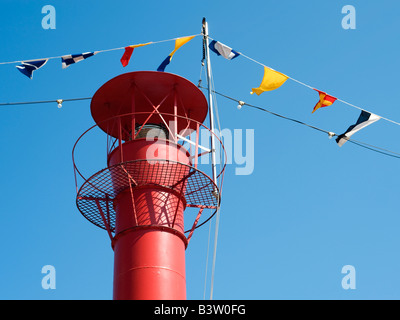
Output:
x=213 y=159
x=210 y=101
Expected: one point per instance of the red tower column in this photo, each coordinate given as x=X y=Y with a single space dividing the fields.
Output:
x=141 y=196
x=149 y=243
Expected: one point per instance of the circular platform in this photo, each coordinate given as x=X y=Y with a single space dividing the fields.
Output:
x=99 y=191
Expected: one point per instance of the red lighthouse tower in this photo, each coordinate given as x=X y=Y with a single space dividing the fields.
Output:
x=152 y=177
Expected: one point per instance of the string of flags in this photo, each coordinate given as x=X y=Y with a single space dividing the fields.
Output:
x=271 y=80
x=27 y=67
x=331 y=134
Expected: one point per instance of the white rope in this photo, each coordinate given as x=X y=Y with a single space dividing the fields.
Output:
x=352 y=105
x=203 y=69
x=99 y=51
x=219 y=186
x=208 y=251
x=218 y=209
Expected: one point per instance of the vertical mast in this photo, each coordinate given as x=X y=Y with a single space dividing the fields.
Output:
x=213 y=161
x=210 y=100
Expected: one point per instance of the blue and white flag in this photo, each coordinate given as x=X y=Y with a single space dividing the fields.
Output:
x=365 y=119
x=27 y=67
x=74 y=58
x=223 y=50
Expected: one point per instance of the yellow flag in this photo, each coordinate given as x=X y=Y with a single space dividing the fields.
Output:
x=179 y=43
x=272 y=80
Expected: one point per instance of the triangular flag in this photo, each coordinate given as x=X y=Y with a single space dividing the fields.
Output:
x=74 y=58
x=128 y=53
x=365 y=119
x=178 y=43
x=272 y=80
x=223 y=50
x=324 y=100
x=27 y=67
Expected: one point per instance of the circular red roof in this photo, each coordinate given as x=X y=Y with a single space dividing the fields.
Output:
x=140 y=92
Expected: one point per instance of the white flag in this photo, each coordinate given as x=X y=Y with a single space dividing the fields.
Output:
x=223 y=50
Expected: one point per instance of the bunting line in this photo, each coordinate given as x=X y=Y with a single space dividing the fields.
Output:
x=28 y=66
x=310 y=87
x=98 y=51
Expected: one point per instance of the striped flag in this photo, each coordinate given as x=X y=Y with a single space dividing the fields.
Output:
x=178 y=43
x=365 y=119
x=27 y=67
x=223 y=50
x=324 y=100
x=74 y=58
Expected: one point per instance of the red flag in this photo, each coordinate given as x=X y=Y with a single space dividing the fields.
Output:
x=127 y=56
x=324 y=100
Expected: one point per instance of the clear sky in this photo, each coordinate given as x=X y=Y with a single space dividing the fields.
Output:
x=308 y=208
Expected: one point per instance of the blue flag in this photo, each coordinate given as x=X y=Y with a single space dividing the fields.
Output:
x=27 y=67
x=163 y=64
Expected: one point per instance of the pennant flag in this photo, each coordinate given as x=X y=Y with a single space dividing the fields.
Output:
x=223 y=50
x=365 y=119
x=128 y=53
x=28 y=67
x=74 y=58
x=272 y=80
x=126 y=56
x=324 y=100
x=178 y=43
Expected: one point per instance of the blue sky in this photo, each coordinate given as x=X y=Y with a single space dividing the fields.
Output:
x=309 y=207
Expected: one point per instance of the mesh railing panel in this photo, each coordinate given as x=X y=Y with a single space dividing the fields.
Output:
x=102 y=188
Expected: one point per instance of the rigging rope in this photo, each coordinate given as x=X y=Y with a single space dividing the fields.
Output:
x=218 y=210
x=331 y=134
x=44 y=101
